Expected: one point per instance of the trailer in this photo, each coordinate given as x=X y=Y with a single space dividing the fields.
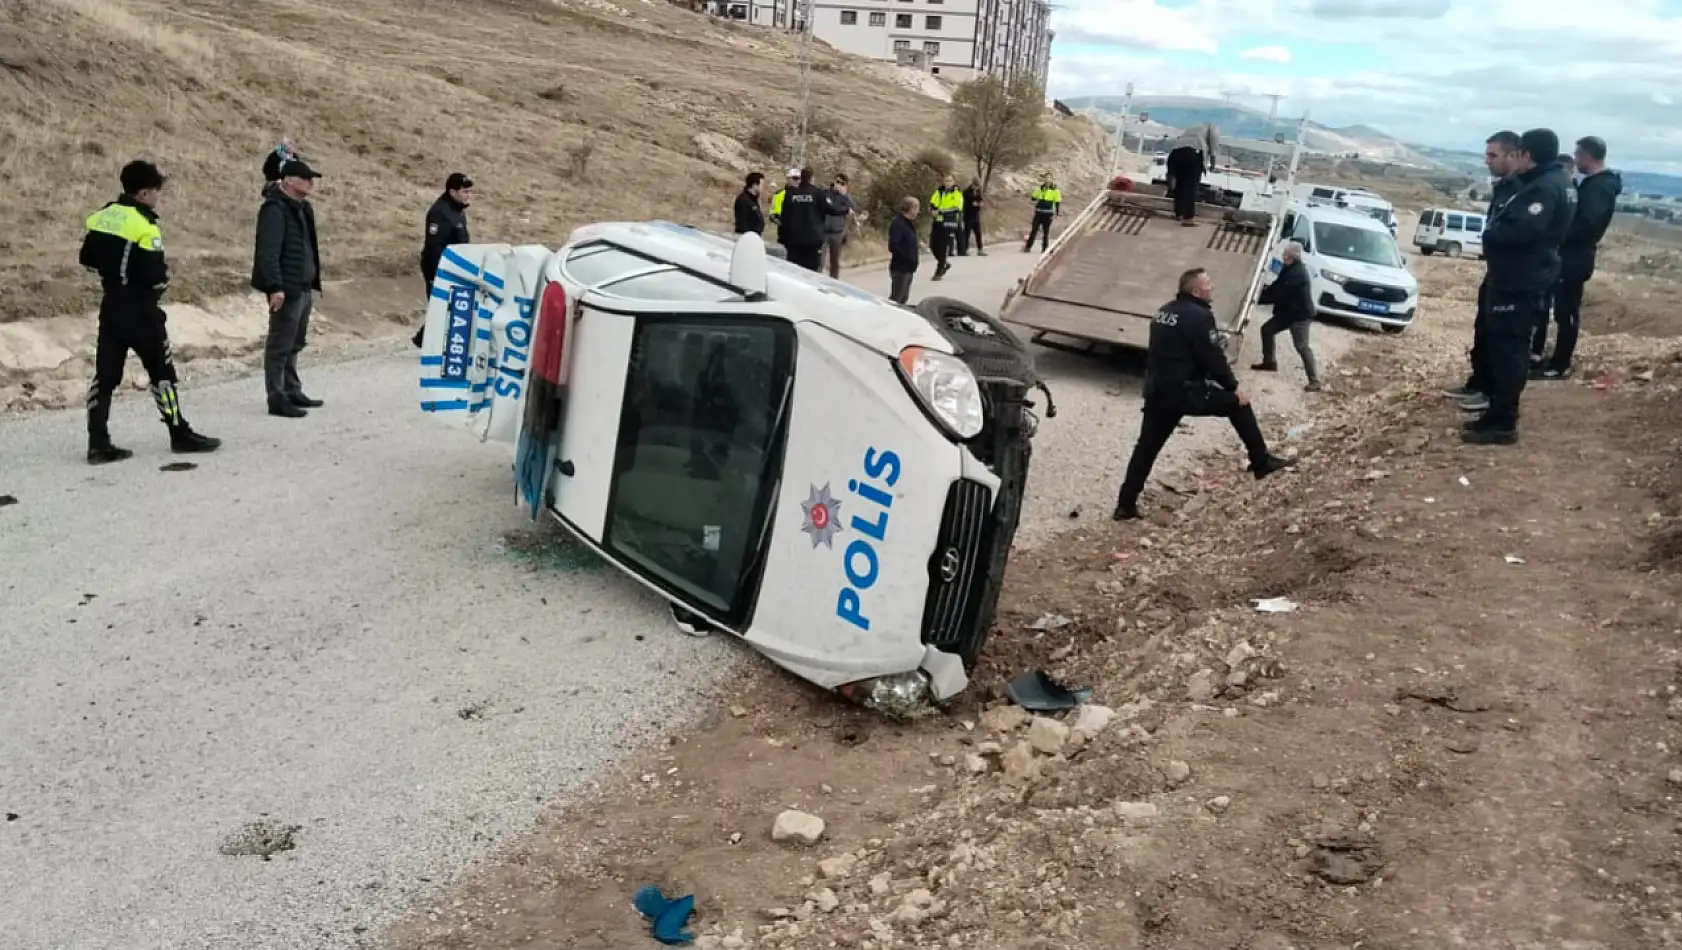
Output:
x=1101 y=281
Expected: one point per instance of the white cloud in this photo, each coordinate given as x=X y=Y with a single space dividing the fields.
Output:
x=1437 y=73
x=1267 y=54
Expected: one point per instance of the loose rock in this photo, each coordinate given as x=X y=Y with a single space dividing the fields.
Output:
x=838 y=867
x=1177 y=772
x=826 y=900
x=1136 y=811
x=1201 y=687
x=1218 y=804
x=1092 y=719
x=797 y=827
x=1047 y=735
x=1020 y=766
x=1004 y=718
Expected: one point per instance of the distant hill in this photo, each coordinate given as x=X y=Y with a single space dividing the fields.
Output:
x=1243 y=122
x=1635 y=182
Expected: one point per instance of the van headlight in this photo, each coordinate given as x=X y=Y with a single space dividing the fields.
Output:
x=946 y=388
x=1333 y=276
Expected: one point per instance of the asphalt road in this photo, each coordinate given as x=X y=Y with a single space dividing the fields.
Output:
x=340 y=625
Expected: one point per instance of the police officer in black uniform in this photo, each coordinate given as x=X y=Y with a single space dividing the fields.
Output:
x=126 y=248
x=446 y=224
x=1521 y=256
x=1498 y=152
x=1186 y=374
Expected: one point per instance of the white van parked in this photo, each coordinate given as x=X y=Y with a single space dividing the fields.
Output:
x=1356 y=269
x=829 y=476
x=1454 y=232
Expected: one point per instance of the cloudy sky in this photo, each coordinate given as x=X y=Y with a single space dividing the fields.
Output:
x=1436 y=72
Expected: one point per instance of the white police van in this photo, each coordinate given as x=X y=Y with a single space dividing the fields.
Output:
x=1354 y=265
x=832 y=477
x=1449 y=230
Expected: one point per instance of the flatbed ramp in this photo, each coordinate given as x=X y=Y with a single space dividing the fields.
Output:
x=1121 y=260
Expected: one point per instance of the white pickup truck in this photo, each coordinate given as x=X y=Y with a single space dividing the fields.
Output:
x=832 y=477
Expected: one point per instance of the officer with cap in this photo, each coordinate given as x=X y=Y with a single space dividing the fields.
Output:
x=1521 y=257
x=126 y=248
x=446 y=224
x=1186 y=374
x=777 y=202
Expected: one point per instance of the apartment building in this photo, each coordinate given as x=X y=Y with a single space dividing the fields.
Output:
x=943 y=32
x=1013 y=38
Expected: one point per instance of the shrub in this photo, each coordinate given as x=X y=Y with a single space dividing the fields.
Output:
x=768 y=139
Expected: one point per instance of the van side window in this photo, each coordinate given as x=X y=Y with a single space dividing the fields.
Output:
x=1474 y=224
x=1456 y=222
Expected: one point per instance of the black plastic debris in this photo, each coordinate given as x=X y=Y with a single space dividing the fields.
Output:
x=8 y=500
x=178 y=467
x=1038 y=692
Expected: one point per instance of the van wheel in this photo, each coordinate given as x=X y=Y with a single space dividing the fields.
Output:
x=1427 y=251
x=982 y=340
x=1453 y=250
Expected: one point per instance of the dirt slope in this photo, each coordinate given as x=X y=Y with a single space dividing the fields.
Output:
x=564 y=111
x=1463 y=735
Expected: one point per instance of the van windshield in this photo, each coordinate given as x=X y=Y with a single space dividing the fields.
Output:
x=699 y=453
x=1350 y=243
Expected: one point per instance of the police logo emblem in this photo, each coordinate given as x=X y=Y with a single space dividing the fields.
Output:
x=1535 y=207
x=157 y=243
x=432 y=228
x=822 y=514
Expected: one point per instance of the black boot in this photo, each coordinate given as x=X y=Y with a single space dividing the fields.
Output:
x=184 y=440
x=1273 y=464
x=1126 y=511
x=286 y=410
x=102 y=452
x=1265 y=367
x=304 y=402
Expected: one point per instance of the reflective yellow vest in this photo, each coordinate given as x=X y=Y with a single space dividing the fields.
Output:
x=947 y=206
x=127 y=223
x=1046 y=200
x=777 y=204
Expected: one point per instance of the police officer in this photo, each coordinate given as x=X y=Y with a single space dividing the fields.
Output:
x=446 y=224
x=1521 y=256
x=1186 y=374
x=1597 y=200
x=792 y=181
x=1498 y=156
x=1047 y=201
x=947 y=206
x=126 y=248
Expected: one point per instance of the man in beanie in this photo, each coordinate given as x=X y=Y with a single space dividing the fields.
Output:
x=446 y=224
x=1521 y=256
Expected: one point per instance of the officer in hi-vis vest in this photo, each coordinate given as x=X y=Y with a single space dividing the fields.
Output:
x=1048 y=203
x=126 y=248
x=947 y=206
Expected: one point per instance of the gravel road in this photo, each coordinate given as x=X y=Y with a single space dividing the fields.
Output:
x=341 y=631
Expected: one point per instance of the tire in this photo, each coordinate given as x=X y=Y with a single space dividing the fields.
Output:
x=982 y=340
x=1427 y=251
x=1388 y=328
x=1453 y=250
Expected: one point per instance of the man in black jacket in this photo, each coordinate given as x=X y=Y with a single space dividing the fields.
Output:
x=1521 y=257
x=446 y=224
x=902 y=251
x=125 y=247
x=803 y=213
x=973 y=199
x=1292 y=297
x=1499 y=152
x=1597 y=201
x=287 y=270
x=1186 y=374
x=749 y=216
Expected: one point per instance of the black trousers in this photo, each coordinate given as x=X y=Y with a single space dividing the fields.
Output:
x=1478 y=380
x=1041 y=227
x=1185 y=167
x=1539 y=335
x=941 y=238
x=1511 y=320
x=1162 y=416
x=1299 y=330
x=1568 y=317
x=118 y=334
x=971 y=232
x=809 y=256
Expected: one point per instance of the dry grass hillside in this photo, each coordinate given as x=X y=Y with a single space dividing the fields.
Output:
x=563 y=111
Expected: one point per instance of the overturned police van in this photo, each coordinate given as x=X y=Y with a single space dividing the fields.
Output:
x=833 y=478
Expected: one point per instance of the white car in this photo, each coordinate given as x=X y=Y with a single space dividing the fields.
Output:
x=832 y=477
x=1354 y=264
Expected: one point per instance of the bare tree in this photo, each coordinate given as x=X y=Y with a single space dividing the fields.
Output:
x=997 y=124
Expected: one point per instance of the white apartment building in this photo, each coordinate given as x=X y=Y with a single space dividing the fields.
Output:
x=955 y=38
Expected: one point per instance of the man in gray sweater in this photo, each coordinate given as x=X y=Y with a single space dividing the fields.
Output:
x=835 y=223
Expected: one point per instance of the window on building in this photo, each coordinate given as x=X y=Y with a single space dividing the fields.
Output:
x=902 y=45
x=931 y=48
x=849 y=18
x=931 y=23
x=902 y=21
x=878 y=19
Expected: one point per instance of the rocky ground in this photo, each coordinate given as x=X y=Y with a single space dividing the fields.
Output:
x=1463 y=733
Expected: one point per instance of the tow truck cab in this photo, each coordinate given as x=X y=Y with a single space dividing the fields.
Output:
x=789 y=458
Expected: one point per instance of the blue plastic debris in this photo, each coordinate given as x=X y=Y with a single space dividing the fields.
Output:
x=667 y=916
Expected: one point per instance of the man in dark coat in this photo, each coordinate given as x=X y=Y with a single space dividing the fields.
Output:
x=750 y=217
x=1292 y=297
x=1186 y=374
x=973 y=200
x=446 y=224
x=1597 y=201
x=902 y=251
x=287 y=270
x=805 y=208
